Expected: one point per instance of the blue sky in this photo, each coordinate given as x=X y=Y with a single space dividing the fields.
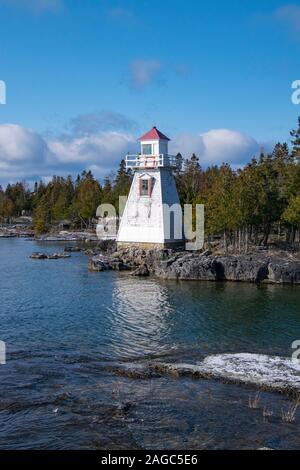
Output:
x=85 y=77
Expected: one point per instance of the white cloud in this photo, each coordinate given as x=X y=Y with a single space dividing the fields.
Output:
x=143 y=72
x=217 y=146
x=25 y=154
x=20 y=145
x=105 y=148
x=37 y=6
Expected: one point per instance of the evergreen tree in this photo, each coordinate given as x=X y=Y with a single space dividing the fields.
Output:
x=88 y=197
x=42 y=216
x=295 y=134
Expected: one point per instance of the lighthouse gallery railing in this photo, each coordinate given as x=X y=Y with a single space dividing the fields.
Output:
x=152 y=161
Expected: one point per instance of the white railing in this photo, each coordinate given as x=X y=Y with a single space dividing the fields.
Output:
x=152 y=161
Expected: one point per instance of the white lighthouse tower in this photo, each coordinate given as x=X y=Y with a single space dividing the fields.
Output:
x=151 y=216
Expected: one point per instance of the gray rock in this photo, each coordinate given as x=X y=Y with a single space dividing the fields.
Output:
x=58 y=256
x=182 y=265
x=49 y=256
x=118 y=265
x=283 y=271
x=72 y=249
x=99 y=263
x=242 y=268
x=192 y=266
x=38 y=256
x=91 y=252
x=141 y=271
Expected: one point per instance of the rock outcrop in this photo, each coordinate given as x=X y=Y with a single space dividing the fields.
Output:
x=274 y=373
x=283 y=271
x=99 y=263
x=247 y=268
x=195 y=266
x=267 y=372
x=141 y=271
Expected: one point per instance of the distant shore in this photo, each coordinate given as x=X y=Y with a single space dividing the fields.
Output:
x=23 y=231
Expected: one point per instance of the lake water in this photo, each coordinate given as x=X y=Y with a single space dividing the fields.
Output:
x=65 y=327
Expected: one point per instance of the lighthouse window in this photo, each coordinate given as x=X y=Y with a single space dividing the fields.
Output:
x=147 y=149
x=144 y=188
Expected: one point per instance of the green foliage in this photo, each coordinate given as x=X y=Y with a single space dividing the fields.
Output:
x=88 y=196
x=291 y=215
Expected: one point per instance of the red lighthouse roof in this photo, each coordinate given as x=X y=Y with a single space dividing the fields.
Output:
x=154 y=134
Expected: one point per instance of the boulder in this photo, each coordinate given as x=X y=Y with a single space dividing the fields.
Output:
x=283 y=271
x=91 y=252
x=118 y=265
x=99 y=263
x=242 y=268
x=39 y=256
x=141 y=271
x=58 y=256
x=191 y=266
x=72 y=249
x=49 y=256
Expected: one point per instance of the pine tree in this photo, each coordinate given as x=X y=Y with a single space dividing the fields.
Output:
x=296 y=142
x=189 y=180
x=42 y=216
x=88 y=197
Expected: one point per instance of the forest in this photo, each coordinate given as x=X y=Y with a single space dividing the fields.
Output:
x=253 y=204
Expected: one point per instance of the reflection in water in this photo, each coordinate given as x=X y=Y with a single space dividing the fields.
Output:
x=139 y=316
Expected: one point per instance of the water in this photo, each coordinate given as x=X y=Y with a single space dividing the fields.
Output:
x=65 y=327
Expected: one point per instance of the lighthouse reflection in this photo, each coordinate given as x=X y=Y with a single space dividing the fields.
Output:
x=139 y=319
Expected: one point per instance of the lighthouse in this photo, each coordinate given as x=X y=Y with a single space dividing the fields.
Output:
x=152 y=215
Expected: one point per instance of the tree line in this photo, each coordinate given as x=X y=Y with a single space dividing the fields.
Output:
x=243 y=206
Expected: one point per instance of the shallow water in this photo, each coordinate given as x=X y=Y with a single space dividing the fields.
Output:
x=64 y=327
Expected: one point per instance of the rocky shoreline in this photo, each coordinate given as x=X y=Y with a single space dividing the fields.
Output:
x=195 y=266
x=272 y=373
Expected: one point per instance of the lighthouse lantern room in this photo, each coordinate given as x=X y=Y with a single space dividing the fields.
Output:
x=145 y=222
